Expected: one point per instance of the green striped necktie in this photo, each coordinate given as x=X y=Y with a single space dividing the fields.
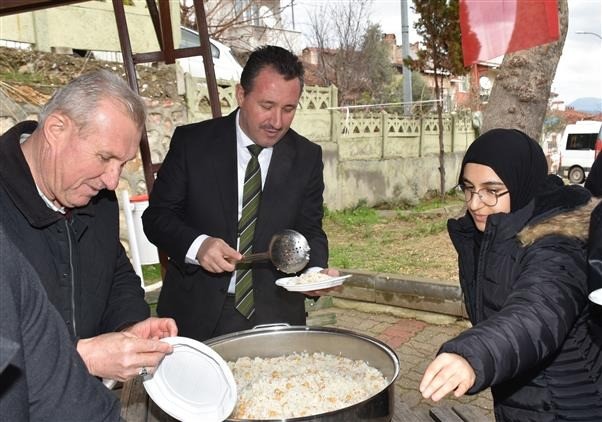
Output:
x=243 y=292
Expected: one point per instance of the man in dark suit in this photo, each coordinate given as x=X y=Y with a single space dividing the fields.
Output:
x=197 y=202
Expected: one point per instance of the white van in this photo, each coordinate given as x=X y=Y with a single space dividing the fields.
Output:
x=577 y=150
x=224 y=63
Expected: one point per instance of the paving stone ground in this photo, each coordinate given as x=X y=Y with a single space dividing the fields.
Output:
x=414 y=336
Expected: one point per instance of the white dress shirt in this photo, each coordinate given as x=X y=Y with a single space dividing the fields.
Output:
x=243 y=156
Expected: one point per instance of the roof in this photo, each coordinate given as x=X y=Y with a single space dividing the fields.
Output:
x=10 y=7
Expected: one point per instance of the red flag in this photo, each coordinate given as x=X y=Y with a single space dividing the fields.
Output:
x=491 y=28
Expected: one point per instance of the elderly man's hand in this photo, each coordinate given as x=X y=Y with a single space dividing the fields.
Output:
x=121 y=356
x=154 y=328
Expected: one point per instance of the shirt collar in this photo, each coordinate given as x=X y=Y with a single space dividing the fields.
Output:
x=242 y=140
x=48 y=202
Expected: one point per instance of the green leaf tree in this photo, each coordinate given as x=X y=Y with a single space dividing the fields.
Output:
x=421 y=91
x=439 y=28
x=377 y=69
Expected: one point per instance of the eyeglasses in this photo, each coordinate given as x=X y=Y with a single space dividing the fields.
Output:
x=488 y=197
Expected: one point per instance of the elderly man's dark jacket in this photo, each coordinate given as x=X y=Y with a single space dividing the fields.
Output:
x=527 y=299
x=82 y=264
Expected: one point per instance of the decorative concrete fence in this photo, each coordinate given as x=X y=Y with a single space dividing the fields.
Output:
x=368 y=157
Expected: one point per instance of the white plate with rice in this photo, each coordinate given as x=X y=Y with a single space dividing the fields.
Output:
x=596 y=296
x=311 y=281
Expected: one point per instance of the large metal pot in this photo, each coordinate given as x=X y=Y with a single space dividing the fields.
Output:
x=273 y=341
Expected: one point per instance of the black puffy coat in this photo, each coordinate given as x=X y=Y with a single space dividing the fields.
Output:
x=595 y=249
x=527 y=301
x=594 y=259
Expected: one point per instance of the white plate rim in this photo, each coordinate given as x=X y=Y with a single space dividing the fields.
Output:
x=184 y=411
x=323 y=284
x=596 y=296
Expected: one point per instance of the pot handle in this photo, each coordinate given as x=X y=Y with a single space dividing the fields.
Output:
x=276 y=324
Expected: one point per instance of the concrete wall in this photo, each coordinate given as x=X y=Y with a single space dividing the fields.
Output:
x=89 y=26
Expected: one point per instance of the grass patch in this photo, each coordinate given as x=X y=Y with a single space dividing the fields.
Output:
x=151 y=273
x=357 y=216
x=21 y=78
x=427 y=228
x=411 y=241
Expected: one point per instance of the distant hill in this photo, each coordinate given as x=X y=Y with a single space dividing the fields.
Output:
x=587 y=104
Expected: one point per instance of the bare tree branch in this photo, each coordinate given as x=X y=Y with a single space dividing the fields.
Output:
x=226 y=18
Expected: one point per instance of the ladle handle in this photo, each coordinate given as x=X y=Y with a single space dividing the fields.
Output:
x=252 y=257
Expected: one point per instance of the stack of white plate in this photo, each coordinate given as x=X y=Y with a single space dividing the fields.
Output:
x=193 y=383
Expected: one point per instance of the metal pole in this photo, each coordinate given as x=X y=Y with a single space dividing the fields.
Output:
x=405 y=45
x=130 y=72
x=201 y=22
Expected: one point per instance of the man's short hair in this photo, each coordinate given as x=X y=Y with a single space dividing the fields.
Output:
x=79 y=99
x=281 y=60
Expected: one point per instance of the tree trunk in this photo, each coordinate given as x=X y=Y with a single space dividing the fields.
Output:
x=519 y=98
x=438 y=90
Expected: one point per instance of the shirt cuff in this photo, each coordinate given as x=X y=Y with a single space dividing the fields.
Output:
x=194 y=249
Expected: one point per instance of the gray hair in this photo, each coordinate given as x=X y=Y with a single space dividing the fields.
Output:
x=79 y=99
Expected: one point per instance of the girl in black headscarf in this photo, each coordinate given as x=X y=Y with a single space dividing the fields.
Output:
x=522 y=263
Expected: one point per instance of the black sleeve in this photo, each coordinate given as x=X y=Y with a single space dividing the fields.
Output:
x=43 y=378
x=594 y=178
x=548 y=296
x=594 y=251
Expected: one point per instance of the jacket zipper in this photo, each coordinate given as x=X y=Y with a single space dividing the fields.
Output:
x=479 y=275
x=72 y=277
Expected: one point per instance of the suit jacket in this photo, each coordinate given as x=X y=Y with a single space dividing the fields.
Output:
x=196 y=193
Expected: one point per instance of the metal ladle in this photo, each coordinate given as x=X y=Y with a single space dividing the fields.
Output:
x=288 y=251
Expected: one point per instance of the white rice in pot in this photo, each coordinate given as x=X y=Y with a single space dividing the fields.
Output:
x=301 y=384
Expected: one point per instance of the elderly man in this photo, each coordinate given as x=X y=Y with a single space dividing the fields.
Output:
x=56 y=191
